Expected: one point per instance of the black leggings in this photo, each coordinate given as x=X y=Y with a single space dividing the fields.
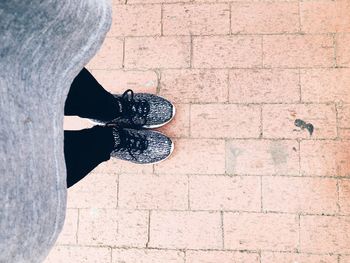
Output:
x=86 y=149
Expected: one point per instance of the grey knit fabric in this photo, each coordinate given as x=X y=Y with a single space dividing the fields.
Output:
x=155 y=145
x=43 y=45
x=161 y=111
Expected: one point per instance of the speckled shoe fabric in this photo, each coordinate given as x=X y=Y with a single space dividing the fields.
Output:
x=141 y=146
x=141 y=110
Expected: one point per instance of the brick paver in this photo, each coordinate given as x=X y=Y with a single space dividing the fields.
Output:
x=279 y=121
x=209 y=192
x=260 y=231
x=325 y=158
x=318 y=16
x=146 y=20
x=194 y=19
x=290 y=51
x=262 y=157
x=221 y=256
x=110 y=56
x=264 y=86
x=343 y=111
x=112 y=227
x=60 y=254
x=344 y=195
x=244 y=183
x=264 y=17
x=332 y=230
x=342 y=49
x=167 y=192
x=185 y=229
x=147 y=256
x=227 y=51
x=201 y=156
x=325 y=85
x=279 y=257
x=245 y=123
x=194 y=85
x=300 y=195
x=157 y=52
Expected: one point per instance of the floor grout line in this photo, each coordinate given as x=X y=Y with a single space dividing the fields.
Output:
x=219 y=210
x=118 y=184
x=188 y=193
x=337 y=120
x=162 y=19
x=123 y=58
x=191 y=52
x=247 y=251
x=76 y=239
x=299 y=234
x=338 y=197
x=227 y=35
x=261 y=194
x=252 y=68
x=222 y=230
x=149 y=229
x=335 y=50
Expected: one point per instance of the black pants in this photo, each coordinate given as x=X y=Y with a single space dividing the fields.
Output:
x=85 y=149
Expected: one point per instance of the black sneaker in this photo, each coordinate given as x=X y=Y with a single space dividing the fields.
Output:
x=141 y=146
x=141 y=110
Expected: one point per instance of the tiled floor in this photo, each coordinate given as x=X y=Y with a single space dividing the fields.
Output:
x=245 y=183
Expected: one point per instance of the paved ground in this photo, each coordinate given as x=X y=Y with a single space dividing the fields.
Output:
x=246 y=182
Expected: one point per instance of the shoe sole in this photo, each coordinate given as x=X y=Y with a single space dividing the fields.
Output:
x=146 y=126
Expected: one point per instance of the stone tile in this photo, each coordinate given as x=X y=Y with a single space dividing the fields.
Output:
x=299 y=195
x=146 y=256
x=185 y=229
x=324 y=234
x=233 y=121
x=264 y=86
x=60 y=254
x=168 y=192
x=262 y=157
x=94 y=191
x=289 y=51
x=200 y=156
x=112 y=227
x=253 y=231
x=190 y=19
x=225 y=193
x=264 y=17
x=157 y=52
x=279 y=121
x=227 y=52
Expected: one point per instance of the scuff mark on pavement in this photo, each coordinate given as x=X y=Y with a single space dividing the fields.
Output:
x=303 y=125
x=278 y=153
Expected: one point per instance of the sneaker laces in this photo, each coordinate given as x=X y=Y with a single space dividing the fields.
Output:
x=131 y=142
x=130 y=107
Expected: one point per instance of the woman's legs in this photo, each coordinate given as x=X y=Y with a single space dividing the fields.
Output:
x=85 y=149
x=88 y=99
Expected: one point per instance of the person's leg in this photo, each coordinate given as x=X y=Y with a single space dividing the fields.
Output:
x=88 y=99
x=85 y=149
